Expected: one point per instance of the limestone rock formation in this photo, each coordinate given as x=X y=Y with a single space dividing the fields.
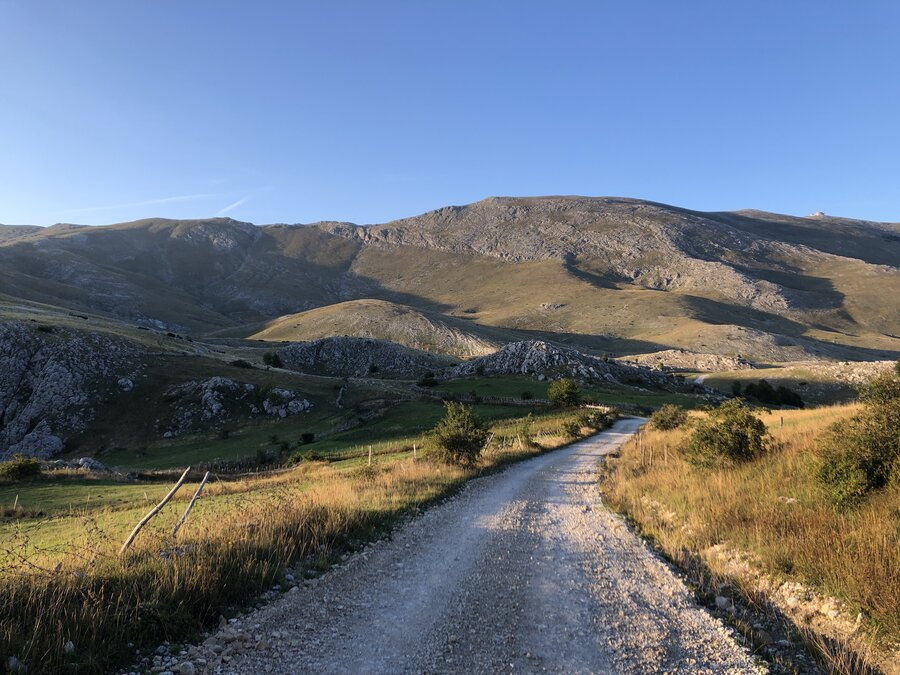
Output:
x=51 y=380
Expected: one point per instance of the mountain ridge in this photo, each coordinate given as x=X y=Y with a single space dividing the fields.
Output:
x=605 y=273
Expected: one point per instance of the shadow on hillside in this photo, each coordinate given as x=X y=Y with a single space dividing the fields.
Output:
x=846 y=239
x=814 y=293
x=715 y=312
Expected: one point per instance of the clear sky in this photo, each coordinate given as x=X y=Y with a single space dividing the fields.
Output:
x=366 y=111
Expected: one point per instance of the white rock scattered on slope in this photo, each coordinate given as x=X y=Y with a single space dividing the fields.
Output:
x=49 y=381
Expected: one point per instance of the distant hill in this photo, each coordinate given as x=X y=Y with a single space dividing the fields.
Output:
x=603 y=274
x=384 y=320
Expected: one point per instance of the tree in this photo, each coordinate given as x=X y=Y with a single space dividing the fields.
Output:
x=460 y=436
x=669 y=416
x=272 y=359
x=731 y=434
x=564 y=392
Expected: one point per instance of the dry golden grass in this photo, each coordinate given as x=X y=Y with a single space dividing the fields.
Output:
x=238 y=542
x=853 y=556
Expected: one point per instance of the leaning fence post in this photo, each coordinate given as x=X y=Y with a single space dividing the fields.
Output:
x=156 y=509
x=191 y=505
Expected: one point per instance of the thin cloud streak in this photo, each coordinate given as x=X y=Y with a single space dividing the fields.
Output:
x=148 y=202
x=232 y=206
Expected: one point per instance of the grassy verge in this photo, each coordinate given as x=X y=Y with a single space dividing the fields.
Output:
x=771 y=509
x=62 y=581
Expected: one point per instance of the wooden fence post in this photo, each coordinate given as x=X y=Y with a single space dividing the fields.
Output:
x=370 y=455
x=156 y=509
x=191 y=505
x=415 y=455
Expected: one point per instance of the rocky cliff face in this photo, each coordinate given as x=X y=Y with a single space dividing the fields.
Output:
x=360 y=357
x=51 y=380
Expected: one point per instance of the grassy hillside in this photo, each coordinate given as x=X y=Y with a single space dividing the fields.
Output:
x=391 y=321
x=768 y=516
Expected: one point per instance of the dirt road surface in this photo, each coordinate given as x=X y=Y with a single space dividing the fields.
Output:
x=522 y=571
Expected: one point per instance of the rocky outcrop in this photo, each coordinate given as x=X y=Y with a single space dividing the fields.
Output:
x=360 y=357
x=680 y=359
x=546 y=361
x=201 y=404
x=51 y=380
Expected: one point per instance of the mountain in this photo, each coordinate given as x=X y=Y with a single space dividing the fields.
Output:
x=601 y=274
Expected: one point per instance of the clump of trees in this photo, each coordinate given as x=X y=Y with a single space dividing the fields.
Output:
x=668 y=417
x=731 y=434
x=272 y=359
x=764 y=392
x=460 y=435
x=564 y=392
x=862 y=454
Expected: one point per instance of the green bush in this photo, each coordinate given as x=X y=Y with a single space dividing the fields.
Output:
x=599 y=419
x=863 y=453
x=669 y=416
x=731 y=434
x=272 y=359
x=527 y=395
x=427 y=380
x=20 y=467
x=564 y=392
x=525 y=431
x=570 y=429
x=460 y=436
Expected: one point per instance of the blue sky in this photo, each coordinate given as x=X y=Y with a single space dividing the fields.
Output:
x=367 y=111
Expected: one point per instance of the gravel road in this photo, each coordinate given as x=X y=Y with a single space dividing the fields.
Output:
x=522 y=571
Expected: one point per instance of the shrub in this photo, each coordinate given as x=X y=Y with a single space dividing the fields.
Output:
x=600 y=419
x=460 y=436
x=669 y=416
x=241 y=363
x=307 y=437
x=474 y=396
x=272 y=359
x=570 y=428
x=427 y=380
x=525 y=431
x=20 y=467
x=731 y=434
x=564 y=392
x=863 y=453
